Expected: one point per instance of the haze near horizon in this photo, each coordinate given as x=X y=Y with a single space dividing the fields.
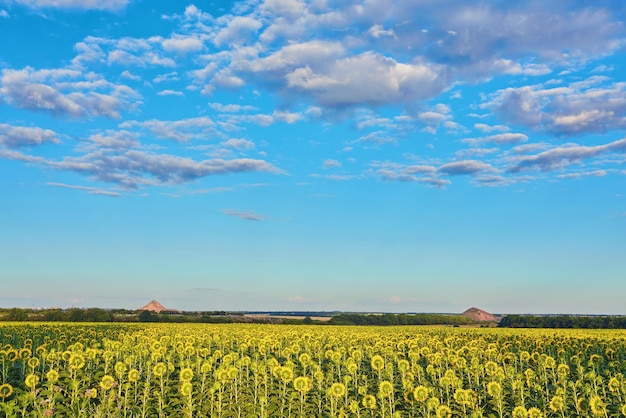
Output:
x=288 y=155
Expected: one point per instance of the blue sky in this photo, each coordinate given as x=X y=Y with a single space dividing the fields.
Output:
x=417 y=156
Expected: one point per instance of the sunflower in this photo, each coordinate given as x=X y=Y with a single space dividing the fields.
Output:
x=133 y=375
x=5 y=390
x=31 y=381
x=420 y=393
x=52 y=375
x=302 y=384
x=120 y=368
x=337 y=390
x=443 y=412
x=107 y=382
x=385 y=389
x=432 y=404
x=33 y=362
x=557 y=403
x=494 y=389
x=598 y=408
x=186 y=374
x=76 y=361
x=377 y=363
x=520 y=412
x=186 y=389
x=159 y=369
x=369 y=402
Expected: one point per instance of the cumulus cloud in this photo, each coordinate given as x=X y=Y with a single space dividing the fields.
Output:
x=491 y=128
x=178 y=130
x=560 y=157
x=24 y=136
x=464 y=167
x=238 y=30
x=390 y=171
x=230 y=108
x=239 y=144
x=500 y=139
x=65 y=93
x=368 y=78
x=331 y=163
x=132 y=168
x=170 y=93
x=180 y=44
x=592 y=106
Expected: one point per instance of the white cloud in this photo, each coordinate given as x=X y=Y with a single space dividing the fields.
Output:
x=560 y=157
x=131 y=168
x=127 y=74
x=489 y=128
x=230 y=108
x=182 y=130
x=290 y=9
x=239 y=144
x=368 y=78
x=582 y=107
x=500 y=139
x=90 y=190
x=238 y=30
x=110 y=5
x=245 y=215
x=180 y=44
x=170 y=93
x=23 y=136
x=331 y=163
x=377 y=31
x=65 y=92
x=464 y=167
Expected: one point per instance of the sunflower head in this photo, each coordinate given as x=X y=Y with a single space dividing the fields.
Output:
x=186 y=374
x=443 y=412
x=302 y=384
x=385 y=389
x=337 y=390
x=186 y=389
x=369 y=401
x=52 y=375
x=420 y=393
x=520 y=412
x=377 y=363
x=5 y=390
x=107 y=382
x=31 y=381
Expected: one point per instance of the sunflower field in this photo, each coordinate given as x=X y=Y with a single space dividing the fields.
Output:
x=245 y=370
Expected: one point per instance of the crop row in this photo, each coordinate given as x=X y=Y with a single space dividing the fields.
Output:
x=240 y=370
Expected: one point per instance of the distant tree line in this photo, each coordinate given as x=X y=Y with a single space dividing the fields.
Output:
x=106 y=315
x=399 y=319
x=562 y=321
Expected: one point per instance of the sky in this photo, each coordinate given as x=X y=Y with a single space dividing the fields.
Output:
x=406 y=156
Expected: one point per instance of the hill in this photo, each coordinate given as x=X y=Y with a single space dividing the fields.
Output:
x=479 y=315
x=154 y=306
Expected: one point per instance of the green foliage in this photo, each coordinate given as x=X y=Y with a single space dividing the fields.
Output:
x=243 y=370
x=399 y=319
x=563 y=321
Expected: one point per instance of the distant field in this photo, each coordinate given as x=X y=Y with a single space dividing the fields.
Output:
x=299 y=317
x=263 y=370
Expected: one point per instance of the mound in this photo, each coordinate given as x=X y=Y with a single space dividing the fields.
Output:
x=478 y=315
x=153 y=306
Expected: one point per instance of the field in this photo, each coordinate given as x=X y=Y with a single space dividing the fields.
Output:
x=243 y=370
